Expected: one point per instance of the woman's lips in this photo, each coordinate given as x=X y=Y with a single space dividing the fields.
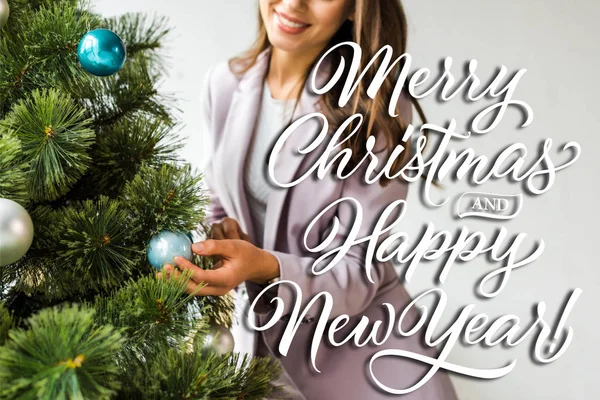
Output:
x=288 y=24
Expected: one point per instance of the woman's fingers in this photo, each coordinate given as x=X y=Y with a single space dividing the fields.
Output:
x=197 y=289
x=217 y=232
x=170 y=272
x=216 y=277
x=225 y=248
x=230 y=228
x=193 y=287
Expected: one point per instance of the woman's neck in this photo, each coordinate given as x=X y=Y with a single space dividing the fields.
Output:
x=287 y=72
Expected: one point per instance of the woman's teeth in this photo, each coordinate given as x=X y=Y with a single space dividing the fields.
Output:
x=289 y=23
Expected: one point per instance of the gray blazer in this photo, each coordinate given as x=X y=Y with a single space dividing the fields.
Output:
x=230 y=108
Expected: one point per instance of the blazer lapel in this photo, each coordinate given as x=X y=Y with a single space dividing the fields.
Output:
x=237 y=134
x=289 y=158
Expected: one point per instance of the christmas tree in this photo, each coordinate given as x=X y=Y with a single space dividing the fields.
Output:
x=91 y=160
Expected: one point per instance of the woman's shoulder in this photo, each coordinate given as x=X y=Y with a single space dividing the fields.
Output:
x=218 y=87
x=220 y=77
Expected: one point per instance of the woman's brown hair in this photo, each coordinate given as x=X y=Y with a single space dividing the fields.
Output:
x=376 y=23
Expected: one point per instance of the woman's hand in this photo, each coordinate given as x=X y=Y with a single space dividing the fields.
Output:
x=240 y=261
x=228 y=228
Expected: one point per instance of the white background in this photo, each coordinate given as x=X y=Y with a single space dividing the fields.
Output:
x=557 y=42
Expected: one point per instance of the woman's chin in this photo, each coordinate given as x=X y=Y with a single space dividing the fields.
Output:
x=287 y=45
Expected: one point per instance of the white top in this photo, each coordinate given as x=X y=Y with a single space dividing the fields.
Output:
x=273 y=117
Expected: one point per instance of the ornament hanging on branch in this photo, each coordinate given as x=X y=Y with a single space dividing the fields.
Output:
x=101 y=52
x=16 y=232
x=219 y=339
x=4 y=13
x=167 y=245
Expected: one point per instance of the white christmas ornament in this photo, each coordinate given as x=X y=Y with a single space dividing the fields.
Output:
x=4 y=12
x=16 y=232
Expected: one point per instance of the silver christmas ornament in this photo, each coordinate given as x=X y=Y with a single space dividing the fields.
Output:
x=16 y=231
x=4 y=12
x=219 y=339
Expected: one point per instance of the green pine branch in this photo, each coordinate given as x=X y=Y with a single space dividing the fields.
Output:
x=97 y=245
x=165 y=330
x=170 y=198
x=55 y=136
x=140 y=32
x=202 y=374
x=13 y=180
x=153 y=312
x=86 y=247
x=123 y=148
x=63 y=354
x=6 y=323
x=39 y=49
x=95 y=162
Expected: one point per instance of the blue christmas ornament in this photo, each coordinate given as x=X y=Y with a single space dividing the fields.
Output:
x=167 y=245
x=101 y=52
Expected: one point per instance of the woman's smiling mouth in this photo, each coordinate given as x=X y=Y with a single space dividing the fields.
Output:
x=288 y=24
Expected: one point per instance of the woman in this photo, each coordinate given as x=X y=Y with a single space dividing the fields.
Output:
x=258 y=227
